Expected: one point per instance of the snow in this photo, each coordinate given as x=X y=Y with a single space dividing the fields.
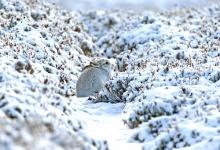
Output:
x=131 y=4
x=164 y=93
x=102 y=116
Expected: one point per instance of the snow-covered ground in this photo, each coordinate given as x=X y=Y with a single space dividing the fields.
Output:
x=164 y=93
x=104 y=120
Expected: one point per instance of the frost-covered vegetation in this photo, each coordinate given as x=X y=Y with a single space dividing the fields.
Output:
x=164 y=93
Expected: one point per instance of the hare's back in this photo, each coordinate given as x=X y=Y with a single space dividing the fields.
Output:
x=89 y=82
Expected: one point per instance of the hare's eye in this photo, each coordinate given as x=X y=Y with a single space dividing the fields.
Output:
x=106 y=63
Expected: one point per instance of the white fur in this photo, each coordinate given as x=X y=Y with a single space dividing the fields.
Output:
x=93 y=78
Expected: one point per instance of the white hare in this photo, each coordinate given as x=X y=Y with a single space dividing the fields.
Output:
x=93 y=77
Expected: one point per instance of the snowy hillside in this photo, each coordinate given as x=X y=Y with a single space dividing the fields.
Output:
x=164 y=93
x=138 y=5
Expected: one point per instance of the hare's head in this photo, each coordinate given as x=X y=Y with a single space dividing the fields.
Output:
x=104 y=63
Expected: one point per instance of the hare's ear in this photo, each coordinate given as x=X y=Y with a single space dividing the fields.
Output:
x=86 y=67
x=96 y=60
x=92 y=64
x=93 y=60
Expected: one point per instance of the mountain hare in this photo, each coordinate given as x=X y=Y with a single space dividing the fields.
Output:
x=93 y=77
